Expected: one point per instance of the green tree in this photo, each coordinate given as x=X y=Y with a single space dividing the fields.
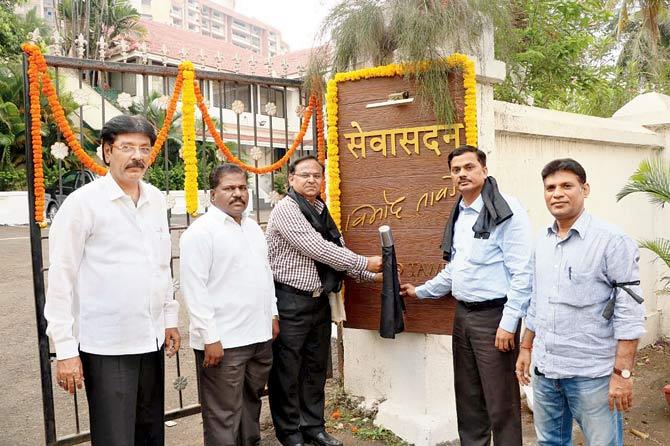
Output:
x=14 y=29
x=652 y=178
x=554 y=53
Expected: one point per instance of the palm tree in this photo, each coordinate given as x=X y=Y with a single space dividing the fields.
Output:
x=110 y=19
x=378 y=32
x=653 y=179
x=642 y=29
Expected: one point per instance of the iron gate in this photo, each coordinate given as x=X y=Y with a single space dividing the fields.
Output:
x=222 y=90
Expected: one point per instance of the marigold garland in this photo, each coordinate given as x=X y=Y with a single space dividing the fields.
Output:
x=191 y=96
x=456 y=60
x=235 y=160
x=320 y=142
x=34 y=75
x=188 y=138
x=38 y=71
x=169 y=114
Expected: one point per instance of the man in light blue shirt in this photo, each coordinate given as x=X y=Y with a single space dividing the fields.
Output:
x=488 y=246
x=584 y=319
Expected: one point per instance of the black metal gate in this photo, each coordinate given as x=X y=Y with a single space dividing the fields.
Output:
x=266 y=133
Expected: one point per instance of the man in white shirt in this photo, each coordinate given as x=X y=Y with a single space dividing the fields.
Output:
x=228 y=287
x=110 y=306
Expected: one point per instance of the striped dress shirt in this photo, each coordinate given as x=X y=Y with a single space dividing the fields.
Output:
x=294 y=245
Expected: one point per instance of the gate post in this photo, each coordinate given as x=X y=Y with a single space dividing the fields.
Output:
x=38 y=277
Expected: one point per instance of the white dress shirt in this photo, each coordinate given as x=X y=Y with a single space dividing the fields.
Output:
x=226 y=281
x=110 y=286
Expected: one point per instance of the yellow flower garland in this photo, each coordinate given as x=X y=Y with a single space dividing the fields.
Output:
x=456 y=60
x=188 y=143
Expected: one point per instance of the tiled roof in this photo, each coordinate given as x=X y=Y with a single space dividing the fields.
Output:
x=203 y=50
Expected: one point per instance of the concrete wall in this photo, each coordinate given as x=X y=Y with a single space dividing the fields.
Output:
x=14 y=208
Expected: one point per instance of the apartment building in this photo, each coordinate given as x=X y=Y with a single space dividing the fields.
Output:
x=217 y=19
x=211 y=18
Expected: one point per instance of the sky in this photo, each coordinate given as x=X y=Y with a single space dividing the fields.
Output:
x=298 y=20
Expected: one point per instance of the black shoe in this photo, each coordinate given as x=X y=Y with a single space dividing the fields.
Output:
x=322 y=438
x=293 y=440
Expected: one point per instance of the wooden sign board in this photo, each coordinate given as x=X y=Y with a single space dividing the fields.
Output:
x=394 y=171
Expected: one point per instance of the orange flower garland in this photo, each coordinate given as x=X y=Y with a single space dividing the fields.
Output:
x=59 y=115
x=38 y=65
x=34 y=74
x=232 y=158
x=38 y=72
x=169 y=113
x=320 y=142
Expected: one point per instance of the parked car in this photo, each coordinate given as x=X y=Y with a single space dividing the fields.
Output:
x=70 y=181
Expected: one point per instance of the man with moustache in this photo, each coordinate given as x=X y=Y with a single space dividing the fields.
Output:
x=583 y=321
x=308 y=261
x=487 y=243
x=228 y=287
x=109 y=304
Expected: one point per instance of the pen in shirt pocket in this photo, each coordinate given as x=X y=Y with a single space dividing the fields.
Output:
x=569 y=272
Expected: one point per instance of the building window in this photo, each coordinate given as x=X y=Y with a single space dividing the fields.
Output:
x=240 y=36
x=231 y=92
x=271 y=95
x=124 y=82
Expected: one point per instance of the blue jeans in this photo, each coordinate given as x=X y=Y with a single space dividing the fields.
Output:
x=557 y=401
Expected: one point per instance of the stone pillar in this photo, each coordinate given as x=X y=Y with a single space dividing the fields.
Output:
x=412 y=375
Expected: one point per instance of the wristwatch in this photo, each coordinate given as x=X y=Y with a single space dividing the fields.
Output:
x=625 y=373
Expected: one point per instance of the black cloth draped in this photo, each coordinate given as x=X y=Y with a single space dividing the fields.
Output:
x=393 y=305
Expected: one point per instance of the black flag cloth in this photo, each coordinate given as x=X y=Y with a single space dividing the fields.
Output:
x=393 y=305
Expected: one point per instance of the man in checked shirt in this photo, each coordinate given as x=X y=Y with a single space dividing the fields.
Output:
x=308 y=261
x=584 y=319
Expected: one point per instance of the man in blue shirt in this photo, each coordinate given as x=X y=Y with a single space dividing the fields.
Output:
x=583 y=321
x=488 y=246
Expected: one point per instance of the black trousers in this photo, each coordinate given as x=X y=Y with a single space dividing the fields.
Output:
x=487 y=391
x=300 y=363
x=125 y=398
x=231 y=392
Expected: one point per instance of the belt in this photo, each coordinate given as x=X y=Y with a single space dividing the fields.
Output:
x=292 y=290
x=484 y=305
